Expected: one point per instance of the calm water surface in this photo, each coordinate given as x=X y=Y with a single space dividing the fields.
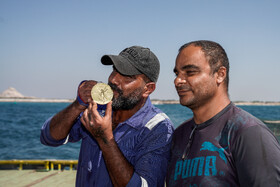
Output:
x=20 y=125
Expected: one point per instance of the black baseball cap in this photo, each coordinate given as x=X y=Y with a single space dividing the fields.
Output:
x=135 y=60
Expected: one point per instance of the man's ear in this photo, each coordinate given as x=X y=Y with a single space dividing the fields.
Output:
x=221 y=75
x=149 y=88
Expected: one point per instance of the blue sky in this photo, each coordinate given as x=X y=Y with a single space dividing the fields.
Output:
x=48 y=46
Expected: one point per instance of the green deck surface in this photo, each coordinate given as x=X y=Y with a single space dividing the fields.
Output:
x=25 y=178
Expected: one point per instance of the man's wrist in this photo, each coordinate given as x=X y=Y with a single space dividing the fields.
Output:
x=106 y=141
x=77 y=105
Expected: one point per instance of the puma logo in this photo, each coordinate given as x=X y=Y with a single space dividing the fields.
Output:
x=210 y=147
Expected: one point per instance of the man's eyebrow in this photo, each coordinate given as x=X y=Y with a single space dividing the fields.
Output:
x=190 y=66
x=186 y=67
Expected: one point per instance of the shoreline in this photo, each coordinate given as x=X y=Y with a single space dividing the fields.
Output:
x=36 y=100
x=257 y=103
x=154 y=101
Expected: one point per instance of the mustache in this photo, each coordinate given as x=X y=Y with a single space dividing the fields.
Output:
x=115 y=88
x=182 y=87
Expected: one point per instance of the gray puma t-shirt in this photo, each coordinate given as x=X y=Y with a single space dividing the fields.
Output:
x=231 y=149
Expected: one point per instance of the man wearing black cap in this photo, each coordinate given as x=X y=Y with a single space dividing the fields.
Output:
x=127 y=147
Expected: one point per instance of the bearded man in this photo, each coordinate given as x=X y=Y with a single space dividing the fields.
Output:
x=130 y=145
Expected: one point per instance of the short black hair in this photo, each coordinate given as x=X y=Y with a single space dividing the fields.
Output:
x=214 y=53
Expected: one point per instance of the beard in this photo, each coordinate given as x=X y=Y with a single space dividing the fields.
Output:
x=125 y=102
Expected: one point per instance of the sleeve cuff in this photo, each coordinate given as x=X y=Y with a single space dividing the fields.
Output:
x=46 y=137
x=137 y=180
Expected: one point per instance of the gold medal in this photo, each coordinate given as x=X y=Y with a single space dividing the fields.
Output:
x=101 y=93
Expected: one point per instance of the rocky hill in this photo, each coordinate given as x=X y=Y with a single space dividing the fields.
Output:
x=11 y=93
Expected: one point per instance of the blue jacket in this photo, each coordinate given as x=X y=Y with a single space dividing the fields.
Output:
x=144 y=140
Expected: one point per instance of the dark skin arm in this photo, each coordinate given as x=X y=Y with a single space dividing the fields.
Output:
x=119 y=168
x=63 y=121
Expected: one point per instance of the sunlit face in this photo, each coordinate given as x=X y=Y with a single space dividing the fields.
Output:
x=194 y=82
x=127 y=90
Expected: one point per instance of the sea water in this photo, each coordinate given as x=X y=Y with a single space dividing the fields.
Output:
x=20 y=125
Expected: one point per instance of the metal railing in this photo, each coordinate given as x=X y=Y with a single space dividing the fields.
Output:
x=49 y=164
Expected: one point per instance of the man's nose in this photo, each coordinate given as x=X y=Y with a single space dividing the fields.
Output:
x=179 y=80
x=114 y=78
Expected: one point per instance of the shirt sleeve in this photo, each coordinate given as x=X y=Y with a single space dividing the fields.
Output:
x=152 y=157
x=257 y=157
x=47 y=139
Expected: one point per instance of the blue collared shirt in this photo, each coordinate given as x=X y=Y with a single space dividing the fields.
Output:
x=144 y=139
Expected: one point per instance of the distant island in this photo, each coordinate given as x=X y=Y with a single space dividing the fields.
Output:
x=12 y=95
